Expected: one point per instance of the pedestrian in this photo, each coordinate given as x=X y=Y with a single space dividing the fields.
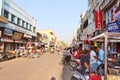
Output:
x=58 y=49
x=100 y=60
x=93 y=60
x=100 y=57
x=84 y=60
x=74 y=52
x=41 y=50
x=79 y=52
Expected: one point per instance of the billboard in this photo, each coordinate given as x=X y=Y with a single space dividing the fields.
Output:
x=98 y=20
x=17 y=36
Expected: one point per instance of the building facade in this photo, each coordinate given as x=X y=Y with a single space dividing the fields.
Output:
x=48 y=37
x=16 y=26
x=107 y=10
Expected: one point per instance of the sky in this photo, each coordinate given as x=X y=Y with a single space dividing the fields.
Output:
x=61 y=16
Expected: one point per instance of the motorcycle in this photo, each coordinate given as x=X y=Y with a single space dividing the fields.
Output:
x=112 y=64
x=66 y=57
x=80 y=75
x=52 y=49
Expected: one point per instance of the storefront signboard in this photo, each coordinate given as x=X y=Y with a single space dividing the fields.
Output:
x=5 y=39
x=27 y=36
x=17 y=36
x=113 y=14
x=113 y=27
x=8 y=31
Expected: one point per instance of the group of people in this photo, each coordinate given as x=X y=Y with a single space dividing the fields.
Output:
x=91 y=58
x=29 y=51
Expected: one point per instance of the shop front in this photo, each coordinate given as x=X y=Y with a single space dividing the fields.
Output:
x=107 y=37
x=7 y=44
x=110 y=39
x=17 y=39
x=27 y=40
x=6 y=39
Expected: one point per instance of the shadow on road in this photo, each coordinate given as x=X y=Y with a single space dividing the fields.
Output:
x=53 y=78
x=66 y=73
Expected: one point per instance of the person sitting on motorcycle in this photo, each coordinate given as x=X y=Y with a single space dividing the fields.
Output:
x=79 y=52
x=74 y=52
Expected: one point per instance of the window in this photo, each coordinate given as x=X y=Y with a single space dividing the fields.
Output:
x=26 y=25
x=6 y=14
x=18 y=21
x=23 y=23
x=13 y=18
x=30 y=27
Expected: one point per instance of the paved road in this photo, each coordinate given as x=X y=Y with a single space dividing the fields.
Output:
x=45 y=67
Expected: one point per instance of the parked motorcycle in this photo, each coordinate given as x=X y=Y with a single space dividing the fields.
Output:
x=52 y=49
x=79 y=74
x=66 y=57
x=112 y=64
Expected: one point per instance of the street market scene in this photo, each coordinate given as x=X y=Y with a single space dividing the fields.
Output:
x=59 y=40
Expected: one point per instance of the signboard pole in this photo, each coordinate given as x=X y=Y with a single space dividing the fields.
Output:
x=105 y=59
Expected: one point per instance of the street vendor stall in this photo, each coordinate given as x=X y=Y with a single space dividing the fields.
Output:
x=107 y=37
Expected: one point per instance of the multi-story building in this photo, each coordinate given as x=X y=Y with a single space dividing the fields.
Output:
x=83 y=32
x=48 y=37
x=103 y=19
x=16 y=26
x=106 y=14
x=110 y=13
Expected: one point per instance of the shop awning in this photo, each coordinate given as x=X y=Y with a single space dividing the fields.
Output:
x=111 y=37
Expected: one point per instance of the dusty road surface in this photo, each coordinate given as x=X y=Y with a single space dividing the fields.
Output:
x=46 y=67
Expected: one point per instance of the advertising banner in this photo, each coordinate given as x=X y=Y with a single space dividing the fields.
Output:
x=113 y=27
x=17 y=36
x=98 y=20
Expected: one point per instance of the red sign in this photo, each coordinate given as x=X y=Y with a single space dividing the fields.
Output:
x=85 y=41
x=98 y=20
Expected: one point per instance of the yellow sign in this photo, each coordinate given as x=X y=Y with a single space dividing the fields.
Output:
x=95 y=44
x=3 y=19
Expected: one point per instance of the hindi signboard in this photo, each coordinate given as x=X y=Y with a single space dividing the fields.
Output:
x=113 y=27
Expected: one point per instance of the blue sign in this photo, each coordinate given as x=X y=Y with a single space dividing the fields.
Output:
x=118 y=19
x=113 y=27
x=8 y=31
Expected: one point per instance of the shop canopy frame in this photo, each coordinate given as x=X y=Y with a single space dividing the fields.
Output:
x=107 y=37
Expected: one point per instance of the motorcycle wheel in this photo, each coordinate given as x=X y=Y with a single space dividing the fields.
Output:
x=100 y=70
x=73 y=78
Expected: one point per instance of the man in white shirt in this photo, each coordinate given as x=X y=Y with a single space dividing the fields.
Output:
x=93 y=60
